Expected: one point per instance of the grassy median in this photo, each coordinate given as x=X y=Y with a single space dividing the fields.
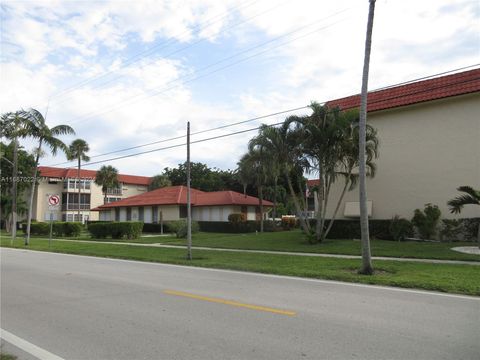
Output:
x=461 y=279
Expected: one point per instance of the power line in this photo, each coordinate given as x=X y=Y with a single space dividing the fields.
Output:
x=257 y=118
x=143 y=97
x=194 y=133
x=138 y=56
x=128 y=63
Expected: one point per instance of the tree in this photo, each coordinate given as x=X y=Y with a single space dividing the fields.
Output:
x=107 y=178
x=45 y=136
x=470 y=197
x=25 y=170
x=282 y=146
x=367 y=267
x=252 y=166
x=13 y=126
x=78 y=151
x=159 y=181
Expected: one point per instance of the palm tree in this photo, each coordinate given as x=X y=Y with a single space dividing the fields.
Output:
x=78 y=150
x=13 y=126
x=282 y=146
x=252 y=165
x=48 y=136
x=107 y=178
x=471 y=197
x=367 y=267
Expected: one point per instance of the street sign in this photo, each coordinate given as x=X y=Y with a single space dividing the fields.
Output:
x=53 y=201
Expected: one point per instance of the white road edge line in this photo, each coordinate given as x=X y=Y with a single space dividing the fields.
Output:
x=28 y=347
x=336 y=282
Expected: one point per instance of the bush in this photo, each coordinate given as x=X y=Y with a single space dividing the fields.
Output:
x=426 y=221
x=288 y=222
x=400 y=228
x=236 y=218
x=350 y=229
x=228 y=227
x=38 y=228
x=180 y=228
x=117 y=230
x=470 y=228
x=157 y=228
x=62 y=228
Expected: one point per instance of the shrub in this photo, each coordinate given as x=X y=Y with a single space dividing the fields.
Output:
x=62 y=228
x=400 y=228
x=157 y=228
x=38 y=228
x=236 y=218
x=228 y=227
x=117 y=230
x=426 y=221
x=350 y=229
x=470 y=228
x=288 y=222
x=180 y=228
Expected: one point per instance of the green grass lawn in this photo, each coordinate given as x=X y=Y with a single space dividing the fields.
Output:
x=295 y=241
x=462 y=279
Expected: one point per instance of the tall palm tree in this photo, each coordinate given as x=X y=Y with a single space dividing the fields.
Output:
x=470 y=197
x=107 y=178
x=13 y=126
x=367 y=267
x=78 y=150
x=45 y=136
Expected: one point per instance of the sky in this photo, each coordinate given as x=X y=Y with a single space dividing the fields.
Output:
x=131 y=72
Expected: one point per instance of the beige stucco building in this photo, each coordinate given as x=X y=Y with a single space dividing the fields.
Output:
x=429 y=135
x=63 y=183
x=170 y=203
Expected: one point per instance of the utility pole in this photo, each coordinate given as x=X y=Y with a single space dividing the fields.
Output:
x=189 y=205
x=367 y=268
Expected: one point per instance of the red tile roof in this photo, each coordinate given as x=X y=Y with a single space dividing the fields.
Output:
x=46 y=171
x=416 y=92
x=177 y=195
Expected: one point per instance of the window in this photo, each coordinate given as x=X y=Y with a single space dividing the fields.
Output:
x=129 y=213
x=183 y=211
x=117 y=214
x=140 y=213
x=155 y=214
x=113 y=199
x=70 y=201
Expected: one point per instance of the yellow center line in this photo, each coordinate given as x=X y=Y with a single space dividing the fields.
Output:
x=229 y=302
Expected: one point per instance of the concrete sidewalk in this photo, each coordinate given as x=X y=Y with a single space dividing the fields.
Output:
x=159 y=245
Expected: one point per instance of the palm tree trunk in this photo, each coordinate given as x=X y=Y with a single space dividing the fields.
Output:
x=367 y=267
x=275 y=182
x=14 y=189
x=260 y=203
x=330 y=223
x=305 y=226
x=32 y=192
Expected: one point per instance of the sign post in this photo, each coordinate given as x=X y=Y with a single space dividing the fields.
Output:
x=53 y=201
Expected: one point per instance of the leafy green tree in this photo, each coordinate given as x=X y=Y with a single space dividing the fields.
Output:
x=46 y=136
x=107 y=178
x=159 y=181
x=426 y=221
x=26 y=163
x=14 y=126
x=470 y=196
x=78 y=151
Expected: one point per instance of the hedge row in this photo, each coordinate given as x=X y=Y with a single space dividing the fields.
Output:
x=241 y=227
x=116 y=230
x=59 y=228
x=157 y=228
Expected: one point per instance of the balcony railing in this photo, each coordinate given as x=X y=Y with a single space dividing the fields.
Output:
x=73 y=206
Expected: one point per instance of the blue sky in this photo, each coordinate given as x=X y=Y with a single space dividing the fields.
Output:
x=124 y=73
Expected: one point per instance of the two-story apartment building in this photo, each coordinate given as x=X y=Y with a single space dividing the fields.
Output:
x=65 y=183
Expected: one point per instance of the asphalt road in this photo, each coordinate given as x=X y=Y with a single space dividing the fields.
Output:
x=92 y=308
